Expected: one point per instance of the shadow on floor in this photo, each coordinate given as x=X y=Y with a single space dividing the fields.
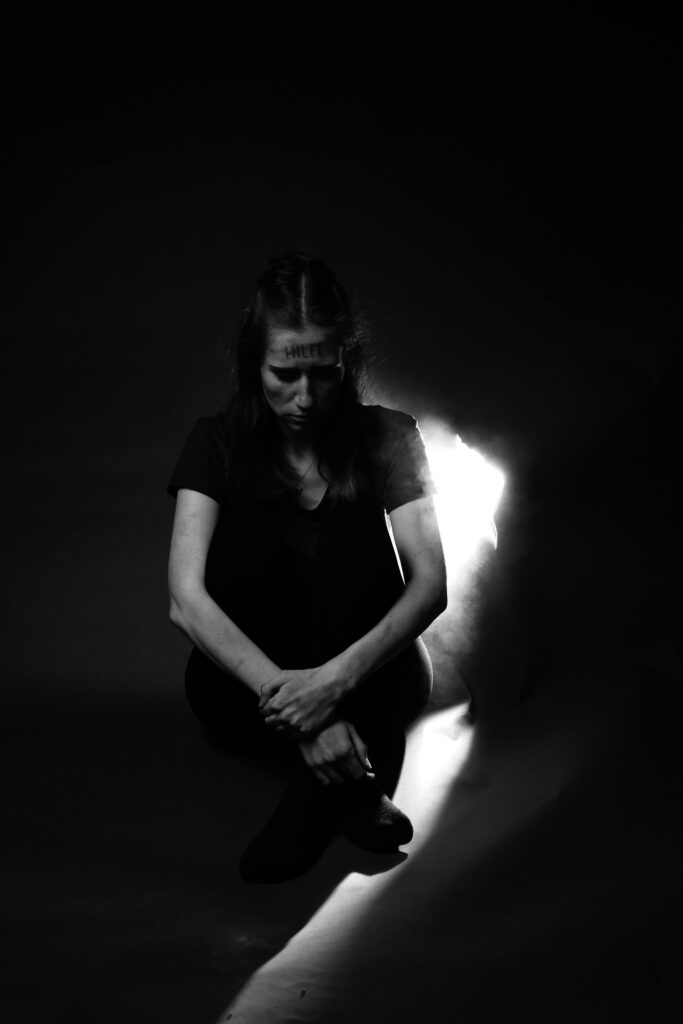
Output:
x=125 y=828
x=546 y=888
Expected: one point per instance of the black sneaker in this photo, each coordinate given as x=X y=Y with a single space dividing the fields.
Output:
x=368 y=818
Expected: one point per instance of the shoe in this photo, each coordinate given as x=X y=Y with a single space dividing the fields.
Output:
x=369 y=819
x=295 y=836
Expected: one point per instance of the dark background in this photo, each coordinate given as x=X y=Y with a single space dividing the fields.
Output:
x=498 y=194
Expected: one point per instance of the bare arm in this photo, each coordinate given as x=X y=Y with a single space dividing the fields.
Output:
x=300 y=701
x=418 y=542
x=193 y=610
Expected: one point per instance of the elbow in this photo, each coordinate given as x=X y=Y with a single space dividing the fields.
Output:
x=439 y=602
x=175 y=612
x=435 y=596
x=186 y=602
x=180 y=608
x=439 y=591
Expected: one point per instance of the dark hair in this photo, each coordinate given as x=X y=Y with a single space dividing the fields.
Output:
x=295 y=291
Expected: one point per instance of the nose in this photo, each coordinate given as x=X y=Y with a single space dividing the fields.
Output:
x=304 y=398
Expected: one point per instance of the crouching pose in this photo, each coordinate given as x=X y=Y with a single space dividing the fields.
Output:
x=283 y=574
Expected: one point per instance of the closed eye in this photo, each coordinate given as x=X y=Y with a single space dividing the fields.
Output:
x=326 y=372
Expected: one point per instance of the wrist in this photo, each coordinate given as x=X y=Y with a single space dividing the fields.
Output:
x=346 y=673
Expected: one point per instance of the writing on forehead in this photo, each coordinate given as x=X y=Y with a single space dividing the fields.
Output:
x=304 y=351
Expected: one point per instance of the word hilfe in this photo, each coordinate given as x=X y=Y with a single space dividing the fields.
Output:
x=311 y=351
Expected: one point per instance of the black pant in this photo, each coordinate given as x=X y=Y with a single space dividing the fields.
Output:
x=380 y=708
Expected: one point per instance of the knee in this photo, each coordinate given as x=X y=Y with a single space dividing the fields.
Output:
x=396 y=694
x=413 y=682
x=424 y=669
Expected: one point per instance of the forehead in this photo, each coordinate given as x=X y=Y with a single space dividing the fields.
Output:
x=312 y=345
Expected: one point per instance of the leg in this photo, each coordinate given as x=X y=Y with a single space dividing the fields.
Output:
x=380 y=709
x=229 y=712
x=385 y=704
x=302 y=824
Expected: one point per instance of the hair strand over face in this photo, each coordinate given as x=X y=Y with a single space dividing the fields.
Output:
x=295 y=291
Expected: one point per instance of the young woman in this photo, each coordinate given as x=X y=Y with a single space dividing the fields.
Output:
x=283 y=574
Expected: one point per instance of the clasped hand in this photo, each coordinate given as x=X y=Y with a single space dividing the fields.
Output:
x=337 y=754
x=299 y=701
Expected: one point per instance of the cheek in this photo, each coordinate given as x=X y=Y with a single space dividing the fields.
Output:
x=270 y=386
x=329 y=390
x=276 y=392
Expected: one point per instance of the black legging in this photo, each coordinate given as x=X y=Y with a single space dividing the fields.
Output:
x=380 y=709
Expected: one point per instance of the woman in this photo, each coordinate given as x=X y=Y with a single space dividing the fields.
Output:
x=283 y=574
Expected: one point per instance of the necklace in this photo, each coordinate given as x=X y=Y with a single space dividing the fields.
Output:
x=300 y=486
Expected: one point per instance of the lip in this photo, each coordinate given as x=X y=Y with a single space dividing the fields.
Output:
x=298 y=419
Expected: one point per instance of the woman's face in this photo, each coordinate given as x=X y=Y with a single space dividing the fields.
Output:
x=301 y=373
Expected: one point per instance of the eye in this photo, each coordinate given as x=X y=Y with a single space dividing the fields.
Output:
x=330 y=372
x=286 y=375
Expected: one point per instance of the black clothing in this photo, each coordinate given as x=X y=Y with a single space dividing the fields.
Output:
x=305 y=584
x=304 y=599
x=397 y=467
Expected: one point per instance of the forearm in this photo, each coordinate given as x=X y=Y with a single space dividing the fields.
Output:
x=198 y=616
x=300 y=701
x=418 y=606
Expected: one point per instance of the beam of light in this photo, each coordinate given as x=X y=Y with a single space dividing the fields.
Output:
x=438 y=746
x=468 y=492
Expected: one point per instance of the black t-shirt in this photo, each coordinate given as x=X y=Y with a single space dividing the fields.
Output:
x=399 y=469
x=399 y=472
x=303 y=584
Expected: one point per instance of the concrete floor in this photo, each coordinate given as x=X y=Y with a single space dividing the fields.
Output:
x=542 y=883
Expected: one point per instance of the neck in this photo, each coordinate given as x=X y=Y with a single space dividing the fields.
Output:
x=300 y=449
x=297 y=444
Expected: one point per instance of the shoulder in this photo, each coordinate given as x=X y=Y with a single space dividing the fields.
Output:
x=382 y=415
x=208 y=434
x=212 y=426
x=384 y=425
x=398 y=470
x=202 y=462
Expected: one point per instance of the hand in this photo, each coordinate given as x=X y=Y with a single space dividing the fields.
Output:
x=299 y=701
x=336 y=754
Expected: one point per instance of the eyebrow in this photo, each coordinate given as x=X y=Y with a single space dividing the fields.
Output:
x=312 y=366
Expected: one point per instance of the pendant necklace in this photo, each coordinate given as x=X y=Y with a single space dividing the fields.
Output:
x=299 y=488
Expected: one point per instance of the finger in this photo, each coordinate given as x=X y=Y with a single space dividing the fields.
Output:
x=339 y=768
x=284 y=728
x=317 y=771
x=334 y=774
x=320 y=776
x=323 y=770
x=327 y=766
x=354 y=768
x=268 y=690
x=360 y=750
x=280 y=725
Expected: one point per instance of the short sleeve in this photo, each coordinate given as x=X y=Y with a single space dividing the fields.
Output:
x=408 y=475
x=201 y=466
